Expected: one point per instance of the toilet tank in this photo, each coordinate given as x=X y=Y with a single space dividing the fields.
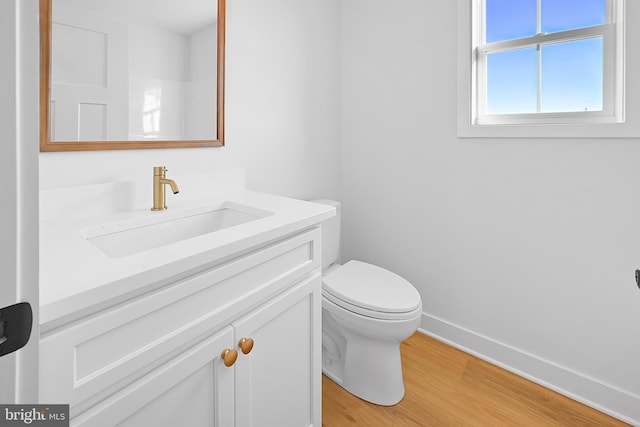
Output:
x=330 y=234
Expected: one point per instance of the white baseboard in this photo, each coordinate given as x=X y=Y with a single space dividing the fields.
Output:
x=618 y=403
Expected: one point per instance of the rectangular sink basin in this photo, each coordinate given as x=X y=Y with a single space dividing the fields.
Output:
x=128 y=238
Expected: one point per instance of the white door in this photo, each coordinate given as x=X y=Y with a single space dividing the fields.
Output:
x=89 y=76
x=19 y=74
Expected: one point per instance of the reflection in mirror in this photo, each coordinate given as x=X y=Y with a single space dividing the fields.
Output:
x=119 y=74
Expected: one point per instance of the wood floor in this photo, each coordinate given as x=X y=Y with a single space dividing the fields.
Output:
x=447 y=387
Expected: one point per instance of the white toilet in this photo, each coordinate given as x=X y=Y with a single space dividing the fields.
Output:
x=367 y=312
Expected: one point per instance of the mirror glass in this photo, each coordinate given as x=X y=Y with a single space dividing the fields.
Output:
x=119 y=74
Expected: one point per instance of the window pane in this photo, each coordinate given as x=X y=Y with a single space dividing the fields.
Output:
x=512 y=82
x=572 y=76
x=560 y=15
x=510 y=19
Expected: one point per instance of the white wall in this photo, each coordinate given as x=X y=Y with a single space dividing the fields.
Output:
x=200 y=105
x=523 y=250
x=159 y=67
x=281 y=109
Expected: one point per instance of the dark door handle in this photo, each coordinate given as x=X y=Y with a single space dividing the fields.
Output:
x=16 y=321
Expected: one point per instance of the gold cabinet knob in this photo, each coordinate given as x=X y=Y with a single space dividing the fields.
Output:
x=229 y=357
x=246 y=345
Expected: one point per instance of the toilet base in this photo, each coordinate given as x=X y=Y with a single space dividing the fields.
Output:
x=370 y=370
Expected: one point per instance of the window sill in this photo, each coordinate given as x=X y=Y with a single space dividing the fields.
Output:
x=599 y=130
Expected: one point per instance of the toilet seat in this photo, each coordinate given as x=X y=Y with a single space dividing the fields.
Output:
x=372 y=291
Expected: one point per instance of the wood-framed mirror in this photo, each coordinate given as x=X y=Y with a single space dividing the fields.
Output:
x=131 y=74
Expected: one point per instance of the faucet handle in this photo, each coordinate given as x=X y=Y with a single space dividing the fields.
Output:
x=159 y=170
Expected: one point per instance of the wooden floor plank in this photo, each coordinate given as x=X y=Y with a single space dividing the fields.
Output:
x=447 y=387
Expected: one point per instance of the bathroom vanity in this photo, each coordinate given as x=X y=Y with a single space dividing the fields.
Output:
x=218 y=329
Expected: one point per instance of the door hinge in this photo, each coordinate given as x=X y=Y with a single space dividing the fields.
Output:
x=15 y=327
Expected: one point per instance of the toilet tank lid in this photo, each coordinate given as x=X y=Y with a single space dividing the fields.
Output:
x=333 y=203
x=371 y=287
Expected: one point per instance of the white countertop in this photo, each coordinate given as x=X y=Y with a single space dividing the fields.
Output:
x=77 y=278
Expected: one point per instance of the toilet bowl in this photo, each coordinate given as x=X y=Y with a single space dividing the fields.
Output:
x=367 y=311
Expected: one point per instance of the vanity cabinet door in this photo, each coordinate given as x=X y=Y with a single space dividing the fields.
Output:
x=278 y=382
x=193 y=389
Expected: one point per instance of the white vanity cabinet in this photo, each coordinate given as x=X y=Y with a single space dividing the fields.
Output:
x=156 y=359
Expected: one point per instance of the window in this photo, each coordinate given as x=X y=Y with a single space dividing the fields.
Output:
x=538 y=62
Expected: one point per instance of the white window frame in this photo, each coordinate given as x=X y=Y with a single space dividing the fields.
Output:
x=611 y=122
x=610 y=113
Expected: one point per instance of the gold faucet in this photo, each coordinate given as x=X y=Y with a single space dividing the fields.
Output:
x=159 y=181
